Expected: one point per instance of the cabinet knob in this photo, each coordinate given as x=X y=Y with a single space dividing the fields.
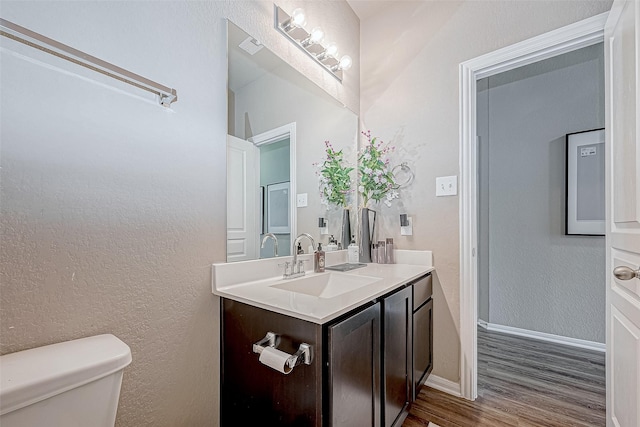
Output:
x=626 y=273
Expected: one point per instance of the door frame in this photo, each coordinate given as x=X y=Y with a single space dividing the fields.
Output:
x=566 y=39
x=275 y=135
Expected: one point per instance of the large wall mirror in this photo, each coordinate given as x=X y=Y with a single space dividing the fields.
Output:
x=278 y=122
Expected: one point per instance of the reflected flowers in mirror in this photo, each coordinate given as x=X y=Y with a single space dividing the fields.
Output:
x=333 y=177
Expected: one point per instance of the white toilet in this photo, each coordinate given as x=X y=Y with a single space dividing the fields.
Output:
x=70 y=384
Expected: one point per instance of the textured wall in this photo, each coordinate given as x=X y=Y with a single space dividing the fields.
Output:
x=410 y=56
x=539 y=279
x=111 y=212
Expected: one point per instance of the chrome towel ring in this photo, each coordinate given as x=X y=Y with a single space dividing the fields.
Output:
x=401 y=170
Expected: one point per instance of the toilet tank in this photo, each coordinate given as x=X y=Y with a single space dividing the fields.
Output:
x=73 y=383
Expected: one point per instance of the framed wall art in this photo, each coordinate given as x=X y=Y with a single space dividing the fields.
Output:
x=278 y=221
x=585 y=173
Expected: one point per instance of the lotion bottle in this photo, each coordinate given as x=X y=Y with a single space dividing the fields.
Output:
x=319 y=260
x=390 y=257
x=332 y=246
x=353 y=252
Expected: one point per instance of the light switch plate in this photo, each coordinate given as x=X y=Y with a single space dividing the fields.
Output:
x=446 y=186
x=302 y=200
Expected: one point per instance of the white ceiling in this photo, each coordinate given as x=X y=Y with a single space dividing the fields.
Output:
x=367 y=8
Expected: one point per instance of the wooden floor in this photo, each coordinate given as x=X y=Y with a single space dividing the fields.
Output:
x=522 y=382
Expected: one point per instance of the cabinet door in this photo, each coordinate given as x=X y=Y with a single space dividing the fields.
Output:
x=354 y=370
x=254 y=394
x=397 y=342
x=422 y=345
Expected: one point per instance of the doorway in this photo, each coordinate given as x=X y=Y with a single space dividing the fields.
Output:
x=567 y=39
x=278 y=183
x=536 y=277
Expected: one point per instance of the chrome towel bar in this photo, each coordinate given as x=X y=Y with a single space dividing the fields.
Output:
x=30 y=38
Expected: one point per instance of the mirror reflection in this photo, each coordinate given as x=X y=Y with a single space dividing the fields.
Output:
x=278 y=122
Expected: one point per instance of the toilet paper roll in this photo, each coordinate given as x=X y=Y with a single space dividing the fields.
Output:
x=275 y=359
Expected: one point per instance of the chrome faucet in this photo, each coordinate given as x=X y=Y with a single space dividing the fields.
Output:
x=275 y=242
x=297 y=269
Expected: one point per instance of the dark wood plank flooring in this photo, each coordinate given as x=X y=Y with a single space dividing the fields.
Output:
x=522 y=382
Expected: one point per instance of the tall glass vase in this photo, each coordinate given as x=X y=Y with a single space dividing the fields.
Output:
x=367 y=230
x=345 y=237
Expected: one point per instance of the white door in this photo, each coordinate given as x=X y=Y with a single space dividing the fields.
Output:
x=622 y=42
x=243 y=171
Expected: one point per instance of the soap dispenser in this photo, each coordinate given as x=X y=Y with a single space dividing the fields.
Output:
x=319 y=260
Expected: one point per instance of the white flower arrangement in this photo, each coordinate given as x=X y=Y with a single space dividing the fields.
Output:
x=376 y=179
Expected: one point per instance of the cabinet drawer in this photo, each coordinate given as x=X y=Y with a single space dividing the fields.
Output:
x=422 y=291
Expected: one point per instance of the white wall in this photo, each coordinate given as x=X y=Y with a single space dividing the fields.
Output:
x=540 y=279
x=111 y=205
x=410 y=57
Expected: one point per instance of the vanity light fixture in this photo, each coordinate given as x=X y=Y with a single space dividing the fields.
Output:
x=344 y=63
x=292 y=27
x=315 y=37
x=330 y=51
x=296 y=20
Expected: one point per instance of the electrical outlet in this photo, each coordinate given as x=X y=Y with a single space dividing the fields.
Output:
x=446 y=186
x=302 y=200
x=407 y=230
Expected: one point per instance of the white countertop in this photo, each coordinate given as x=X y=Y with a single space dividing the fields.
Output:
x=240 y=282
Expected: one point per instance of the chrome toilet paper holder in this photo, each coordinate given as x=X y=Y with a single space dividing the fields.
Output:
x=271 y=339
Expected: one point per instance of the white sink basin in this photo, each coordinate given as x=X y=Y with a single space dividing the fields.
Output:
x=326 y=285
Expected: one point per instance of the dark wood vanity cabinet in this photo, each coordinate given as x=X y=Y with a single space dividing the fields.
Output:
x=422 y=332
x=254 y=394
x=354 y=369
x=366 y=367
x=397 y=350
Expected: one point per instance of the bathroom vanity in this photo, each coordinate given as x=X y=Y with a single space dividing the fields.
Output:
x=371 y=346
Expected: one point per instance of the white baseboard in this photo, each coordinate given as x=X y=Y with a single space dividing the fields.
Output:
x=542 y=336
x=444 y=385
x=483 y=323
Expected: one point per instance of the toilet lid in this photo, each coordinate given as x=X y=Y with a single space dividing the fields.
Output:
x=32 y=375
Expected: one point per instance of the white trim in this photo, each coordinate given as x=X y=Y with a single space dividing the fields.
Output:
x=443 y=385
x=543 y=336
x=270 y=137
x=580 y=34
x=483 y=323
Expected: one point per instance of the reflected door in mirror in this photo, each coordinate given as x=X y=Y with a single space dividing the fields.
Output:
x=242 y=200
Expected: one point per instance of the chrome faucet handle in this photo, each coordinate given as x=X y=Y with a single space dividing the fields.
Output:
x=301 y=266
x=287 y=268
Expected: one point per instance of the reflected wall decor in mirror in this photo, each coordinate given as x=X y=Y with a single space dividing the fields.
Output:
x=278 y=122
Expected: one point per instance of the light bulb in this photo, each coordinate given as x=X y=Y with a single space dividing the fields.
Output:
x=345 y=62
x=331 y=51
x=316 y=36
x=297 y=18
